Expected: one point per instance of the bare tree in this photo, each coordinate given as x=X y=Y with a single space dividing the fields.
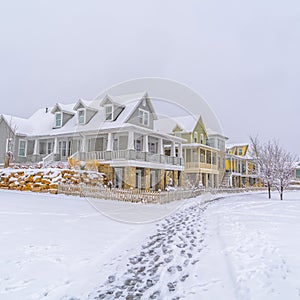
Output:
x=284 y=168
x=11 y=133
x=264 y=158
x=276 y=165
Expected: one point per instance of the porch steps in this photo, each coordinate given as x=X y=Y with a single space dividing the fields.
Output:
x=225 y=180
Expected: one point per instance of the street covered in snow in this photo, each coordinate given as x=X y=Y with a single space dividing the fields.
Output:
x=239 y=246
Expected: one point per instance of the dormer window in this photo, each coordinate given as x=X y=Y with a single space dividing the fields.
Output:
x=58 y=119
x=108 y=112
x=81 y=116
x=143 y=117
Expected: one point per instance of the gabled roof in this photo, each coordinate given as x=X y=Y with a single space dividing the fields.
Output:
x=233 y=145
x=186 y=123
x=42 y=121
x=84 y=103
x=211 y=132
x=66 y=108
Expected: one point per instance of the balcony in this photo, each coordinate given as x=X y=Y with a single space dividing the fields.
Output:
x=128 y=155
x=199 y=165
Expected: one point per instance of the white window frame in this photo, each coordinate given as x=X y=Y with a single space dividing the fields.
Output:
x=143 y=116
x=106 y=113
x=61 y=116
x=195 y=137
x=201 y=138
x=63 y=150
x=25 y=148
x=84 y=115
x=49 y=150
x=11 y=144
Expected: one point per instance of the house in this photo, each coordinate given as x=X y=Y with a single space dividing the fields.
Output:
x=297 y=171
x=203 y=149
x=241 y=168
x=116 y=133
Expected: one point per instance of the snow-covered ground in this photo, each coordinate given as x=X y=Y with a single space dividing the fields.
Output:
x=237 y=247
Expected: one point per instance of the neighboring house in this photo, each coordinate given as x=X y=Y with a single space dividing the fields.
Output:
x=297 y=171
x=203 y=149
x=241 y=169
x=117 y=132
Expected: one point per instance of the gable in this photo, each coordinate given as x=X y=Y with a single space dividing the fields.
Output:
x=177 y=128
x=144 y=105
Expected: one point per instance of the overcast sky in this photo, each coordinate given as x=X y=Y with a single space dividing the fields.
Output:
x=241 y=56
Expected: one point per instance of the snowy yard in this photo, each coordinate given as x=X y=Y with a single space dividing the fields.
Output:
x=238 y=247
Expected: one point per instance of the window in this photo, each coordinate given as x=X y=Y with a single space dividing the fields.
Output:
x=9 y=145
x=298 y=173
x=49 y=147
x=81 y=116
x=177 y=133
x=143 y=116
x=115 y=144
x=195 y=137
x=240 y=151
x=201 y=138
x=62 y=146
x=108 y=112
x=58 y=119
x=137 y=145
x=22 y=148
x=152 y=148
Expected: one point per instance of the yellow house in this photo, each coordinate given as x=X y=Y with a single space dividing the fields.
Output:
x=240 y=167
x=203 y=150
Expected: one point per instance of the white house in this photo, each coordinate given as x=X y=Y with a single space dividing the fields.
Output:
x=116 y=132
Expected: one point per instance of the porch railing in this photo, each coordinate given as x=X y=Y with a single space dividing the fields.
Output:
x=48 y=159
x=127 y=155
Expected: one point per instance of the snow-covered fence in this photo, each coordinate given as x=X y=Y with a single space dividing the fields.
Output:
x=126 y=195
x=239 y=190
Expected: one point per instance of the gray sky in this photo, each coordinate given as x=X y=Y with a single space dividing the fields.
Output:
x=241 y=56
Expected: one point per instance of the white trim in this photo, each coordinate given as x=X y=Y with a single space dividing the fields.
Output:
x=112 y=112
x=61 y=119
x=25 y=150
x=84 y=116
x=143 y=120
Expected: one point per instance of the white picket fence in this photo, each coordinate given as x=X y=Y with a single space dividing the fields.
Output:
x=126 y=195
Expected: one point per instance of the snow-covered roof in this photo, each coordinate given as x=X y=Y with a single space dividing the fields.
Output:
x=42 y=121
x=186 y=123
x=232 y=145
x=211 y=132
x=67 y=108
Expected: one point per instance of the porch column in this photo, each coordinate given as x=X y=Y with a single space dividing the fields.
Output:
x=83 y=146
x=173 y=152
x=55 y=147
x=247 y=166
x=161 y=180
x=36 y=147
x=180 y=150
x=109 y=142
x=161 y=147
x=230 y=164
x=145 y=143
x=175 y=178
x=130 y=143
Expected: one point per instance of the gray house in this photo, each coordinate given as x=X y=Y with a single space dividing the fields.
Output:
x=115 y=132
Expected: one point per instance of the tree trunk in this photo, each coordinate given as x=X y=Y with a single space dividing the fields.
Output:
x=269 y=190
x=281 y=193
x=7 y=161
